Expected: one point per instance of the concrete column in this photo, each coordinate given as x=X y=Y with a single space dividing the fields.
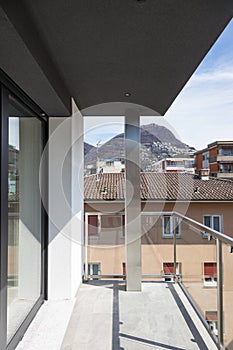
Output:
x=65 y=252
x=132 y=201
x=77 y=197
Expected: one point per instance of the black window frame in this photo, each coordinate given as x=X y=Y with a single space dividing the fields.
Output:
x=7 y=88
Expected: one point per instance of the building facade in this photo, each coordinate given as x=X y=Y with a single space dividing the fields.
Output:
x=217 y=158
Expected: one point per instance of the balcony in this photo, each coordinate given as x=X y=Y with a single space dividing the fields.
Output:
x=225 y=158
x=114 y=319
x=225 y=171
x=225 y=175
x=178 y=253
x=186 y=299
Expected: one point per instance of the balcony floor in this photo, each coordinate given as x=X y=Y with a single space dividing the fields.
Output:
x=105 y=317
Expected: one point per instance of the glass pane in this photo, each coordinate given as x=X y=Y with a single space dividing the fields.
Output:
x=106 y=250
x=177 y=226
x=157 y=249
x=216 y=223
x=167 y=225
x=227 y=297
x=24 y=215
x=207 y=221
x=196 y=256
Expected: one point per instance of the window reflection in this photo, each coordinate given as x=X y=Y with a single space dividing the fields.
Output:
x=24 y=214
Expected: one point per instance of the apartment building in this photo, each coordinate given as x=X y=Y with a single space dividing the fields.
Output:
x=218 y=158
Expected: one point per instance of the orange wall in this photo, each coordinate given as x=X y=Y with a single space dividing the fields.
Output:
x=193 y=210
x=213 y=152
x=198 y=162
x=213 y=168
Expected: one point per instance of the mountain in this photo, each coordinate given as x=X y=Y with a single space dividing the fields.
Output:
x=87 y=148
x=157 y=142
x=163 y=134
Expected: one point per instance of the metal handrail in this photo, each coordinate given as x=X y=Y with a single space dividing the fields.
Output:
x=218 y=235
x=201 y=227
x=213 y=234
x=162 y=275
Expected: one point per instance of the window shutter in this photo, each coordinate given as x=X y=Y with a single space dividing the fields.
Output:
x=93 y=225
x=211 y=316
x=210 y=269
x=124 y=270
x=168 y=268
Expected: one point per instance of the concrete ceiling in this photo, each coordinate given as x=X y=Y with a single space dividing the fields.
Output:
x=96 y=51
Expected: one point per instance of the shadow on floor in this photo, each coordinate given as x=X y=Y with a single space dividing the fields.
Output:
x=198 y=339
x=116 y=335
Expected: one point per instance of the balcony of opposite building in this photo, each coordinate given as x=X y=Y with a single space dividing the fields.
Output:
x=225 y=158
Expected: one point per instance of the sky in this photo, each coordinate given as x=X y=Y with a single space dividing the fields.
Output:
x=202 y=112
x=14 y=132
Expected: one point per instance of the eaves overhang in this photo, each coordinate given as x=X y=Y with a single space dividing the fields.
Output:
x=107 y=51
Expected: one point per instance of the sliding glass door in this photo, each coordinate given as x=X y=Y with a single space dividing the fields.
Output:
x=24 y=214
x=23 y=223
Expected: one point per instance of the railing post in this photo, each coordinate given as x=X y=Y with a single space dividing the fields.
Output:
x=86 y=249
x=220 y=293
x=174 y=244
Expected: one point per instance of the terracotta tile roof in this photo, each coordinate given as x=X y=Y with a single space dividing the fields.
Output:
x=159 y=186
x=95 y=185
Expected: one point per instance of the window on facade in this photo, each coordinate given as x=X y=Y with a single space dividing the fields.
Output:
x=210 y=274
x=110 y=164
x=171 y=224
x=111 y=222
x=93 y=225
x=123 y=225
x=226 y=151
x=226 y=168
x=147 y=223
x=168 y=269
x=94 y=269
x=124 y=270
x=212 y=221
x=212 y=320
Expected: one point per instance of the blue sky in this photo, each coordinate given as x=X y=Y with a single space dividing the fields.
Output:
x=203 y=111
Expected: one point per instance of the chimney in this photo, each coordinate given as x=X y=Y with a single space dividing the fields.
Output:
x=204 y=174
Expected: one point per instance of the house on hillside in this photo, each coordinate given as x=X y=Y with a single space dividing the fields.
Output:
x=175 y=165
x=112 y=165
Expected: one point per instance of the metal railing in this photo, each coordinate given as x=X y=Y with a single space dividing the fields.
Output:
x=213 y=235
x=220 y=239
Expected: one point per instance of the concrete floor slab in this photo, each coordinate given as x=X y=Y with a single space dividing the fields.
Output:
x=106 y=317
x=47 y=330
